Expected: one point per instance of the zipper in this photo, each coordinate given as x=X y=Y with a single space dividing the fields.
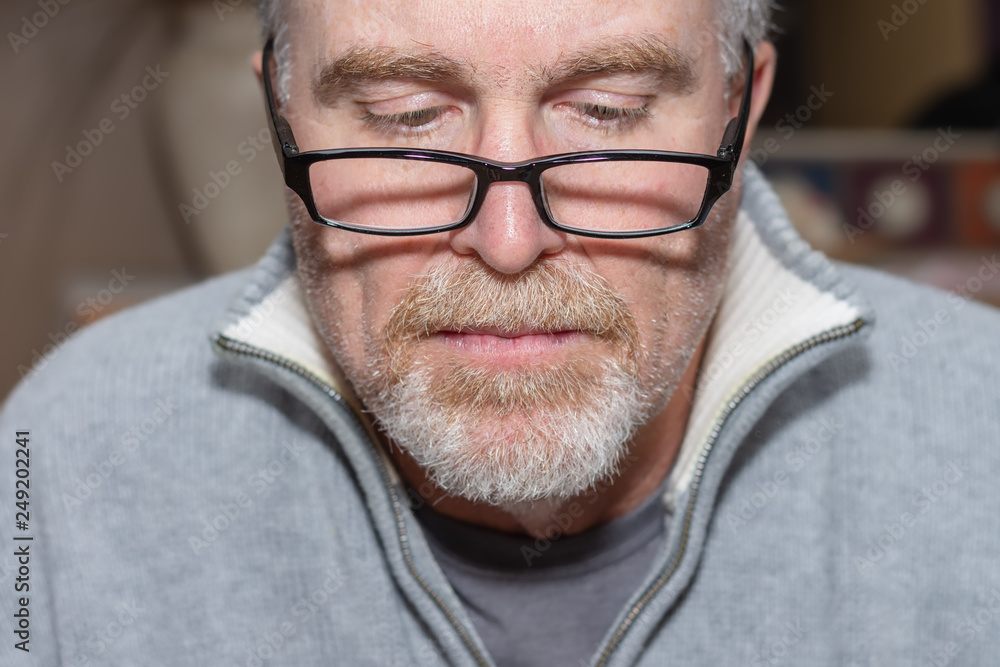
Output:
x=242 y=349
x=766 y=371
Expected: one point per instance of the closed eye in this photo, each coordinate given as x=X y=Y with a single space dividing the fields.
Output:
x=610 y=118
x=407 y=122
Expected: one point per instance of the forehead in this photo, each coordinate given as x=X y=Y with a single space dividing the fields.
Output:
x=505 y=35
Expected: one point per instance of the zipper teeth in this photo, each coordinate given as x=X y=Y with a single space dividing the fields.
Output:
x=250 y=351
x=769 y=368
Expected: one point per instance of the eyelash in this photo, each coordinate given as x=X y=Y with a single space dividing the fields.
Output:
x=608 y=118
x=598 y=116
x=408 y=122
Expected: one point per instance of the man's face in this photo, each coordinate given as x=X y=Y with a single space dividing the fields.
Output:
x=512 y=361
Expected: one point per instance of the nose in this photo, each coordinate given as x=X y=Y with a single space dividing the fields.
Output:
x=508 y=234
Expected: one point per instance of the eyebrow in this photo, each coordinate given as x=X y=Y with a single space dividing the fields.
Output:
x=361 y=65
x=645 y=54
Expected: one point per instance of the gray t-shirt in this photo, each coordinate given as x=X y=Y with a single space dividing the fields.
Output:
x=546 y=602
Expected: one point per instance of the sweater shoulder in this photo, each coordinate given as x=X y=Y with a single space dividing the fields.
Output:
x=925 y=382
x=147 y=350
x=915 y=321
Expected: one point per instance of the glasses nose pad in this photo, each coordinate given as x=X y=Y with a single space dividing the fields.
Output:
x=474 y=199
x=507 y=235
x=541 y=202
x=502 y=174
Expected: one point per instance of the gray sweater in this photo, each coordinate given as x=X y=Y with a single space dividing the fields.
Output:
x=204 y=489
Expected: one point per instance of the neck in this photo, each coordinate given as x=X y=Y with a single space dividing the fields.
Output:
x=648 y=460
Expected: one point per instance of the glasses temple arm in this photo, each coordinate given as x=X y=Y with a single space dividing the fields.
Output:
x=281 y=131
x=732 y=140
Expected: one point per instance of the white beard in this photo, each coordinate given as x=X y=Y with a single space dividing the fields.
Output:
x=521 y=455
x=510 y=438
x=554 y=452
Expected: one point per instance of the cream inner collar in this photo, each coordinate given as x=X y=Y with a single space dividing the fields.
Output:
x=766 y=309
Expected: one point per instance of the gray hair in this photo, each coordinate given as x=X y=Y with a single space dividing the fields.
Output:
x=274 y=24
x=738 y=20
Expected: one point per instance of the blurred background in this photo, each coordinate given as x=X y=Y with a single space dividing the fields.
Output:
x=137 y=158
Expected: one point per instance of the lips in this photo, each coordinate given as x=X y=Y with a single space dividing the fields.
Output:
x=475 y=319
x=496 y=342
x=506 y=333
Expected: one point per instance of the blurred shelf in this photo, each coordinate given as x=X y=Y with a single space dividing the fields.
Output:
x=925 y=205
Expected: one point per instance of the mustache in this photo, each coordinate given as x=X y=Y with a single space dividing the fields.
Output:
x=550 y=296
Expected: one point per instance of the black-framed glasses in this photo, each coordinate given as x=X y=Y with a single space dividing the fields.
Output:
x=601 y=194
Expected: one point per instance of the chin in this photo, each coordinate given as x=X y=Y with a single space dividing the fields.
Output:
x=550 y=452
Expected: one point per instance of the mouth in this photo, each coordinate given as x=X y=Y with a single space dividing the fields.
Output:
x=510 y=345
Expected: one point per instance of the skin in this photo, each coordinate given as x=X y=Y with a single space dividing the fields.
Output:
x=502 y=109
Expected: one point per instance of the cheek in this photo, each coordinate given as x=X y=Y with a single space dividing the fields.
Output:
x=335 y=293
x=677 y=290
x=352 y=283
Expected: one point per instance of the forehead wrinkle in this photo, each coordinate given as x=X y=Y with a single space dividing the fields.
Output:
x=645 y=54
x=360 y=65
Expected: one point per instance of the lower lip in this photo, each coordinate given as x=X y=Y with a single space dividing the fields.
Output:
x=501 y=347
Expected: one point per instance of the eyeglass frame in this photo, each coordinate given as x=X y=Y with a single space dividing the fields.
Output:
x=721 y=167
